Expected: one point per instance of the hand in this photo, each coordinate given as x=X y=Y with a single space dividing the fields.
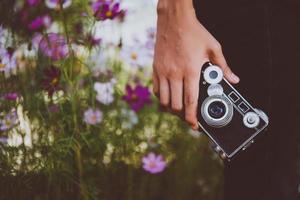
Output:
x=183 y=45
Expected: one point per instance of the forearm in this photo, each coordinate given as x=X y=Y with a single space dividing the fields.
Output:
x=175 y=8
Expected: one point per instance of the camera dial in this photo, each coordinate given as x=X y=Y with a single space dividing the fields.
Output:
x=213 y=74
x=251 y=120
x=215 y=89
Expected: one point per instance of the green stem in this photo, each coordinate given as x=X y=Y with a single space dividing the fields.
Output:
x=83 y=194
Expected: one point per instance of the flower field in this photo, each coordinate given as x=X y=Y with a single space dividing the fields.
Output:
x=78 y=119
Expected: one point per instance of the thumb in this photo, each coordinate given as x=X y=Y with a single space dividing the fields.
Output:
x=218 y=58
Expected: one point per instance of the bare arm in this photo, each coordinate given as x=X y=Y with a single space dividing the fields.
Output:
x=183 y=45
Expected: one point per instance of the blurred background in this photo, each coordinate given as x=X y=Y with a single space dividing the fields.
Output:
x=78 y=119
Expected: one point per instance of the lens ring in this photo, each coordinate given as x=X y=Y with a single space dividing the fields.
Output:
x=220 y=119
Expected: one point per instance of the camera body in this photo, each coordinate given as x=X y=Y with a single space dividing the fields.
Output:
x=225 y=116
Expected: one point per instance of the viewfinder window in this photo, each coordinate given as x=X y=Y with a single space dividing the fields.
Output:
x=234 y=97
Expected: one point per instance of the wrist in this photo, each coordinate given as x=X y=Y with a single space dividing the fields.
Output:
x=175 y=8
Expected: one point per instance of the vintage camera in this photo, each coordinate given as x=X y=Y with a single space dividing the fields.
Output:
x=225 y=116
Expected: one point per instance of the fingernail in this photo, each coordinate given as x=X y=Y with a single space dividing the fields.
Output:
x=195 y=127
x=235 y=78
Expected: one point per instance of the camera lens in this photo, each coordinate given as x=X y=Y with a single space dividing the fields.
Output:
x=217 y=109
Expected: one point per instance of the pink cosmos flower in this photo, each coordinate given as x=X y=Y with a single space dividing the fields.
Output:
x=11 y=96
x=54 y=46
x=153 y=163
x=137 y=97
x=39 y=22
x=33 y=2
x=104 y=9
x=93 y=116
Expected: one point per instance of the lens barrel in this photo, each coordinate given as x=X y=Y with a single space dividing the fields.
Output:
x=217 y=111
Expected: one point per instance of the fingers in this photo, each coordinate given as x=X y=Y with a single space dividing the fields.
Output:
x=171 y=96
x=176 y=95
x=191 y=92
x=164 y=91
x=218 y=58
x=155 y=83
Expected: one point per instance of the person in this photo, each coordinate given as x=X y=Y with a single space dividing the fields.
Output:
x=257 y=41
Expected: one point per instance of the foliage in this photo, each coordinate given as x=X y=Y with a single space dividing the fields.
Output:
x=77 y=117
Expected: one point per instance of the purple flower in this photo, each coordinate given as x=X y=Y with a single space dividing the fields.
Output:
x=51 y=79
x=33 y=2
x=3 y=140
x=93 y=41
x=106 y=9
x=8 y=60
x=137 y=97
x=54 y=46
x=154 y=163
x=9 y=121
x=93 y=117
x=11 y=96
x=39 y=22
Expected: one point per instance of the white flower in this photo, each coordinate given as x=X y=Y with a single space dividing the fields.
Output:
x=93 y=117
x=9 y=121
x=105 y=92
x=136 y=56
x=98 y=60
x=8 y=61
x=129 y=118
x=54 y=4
